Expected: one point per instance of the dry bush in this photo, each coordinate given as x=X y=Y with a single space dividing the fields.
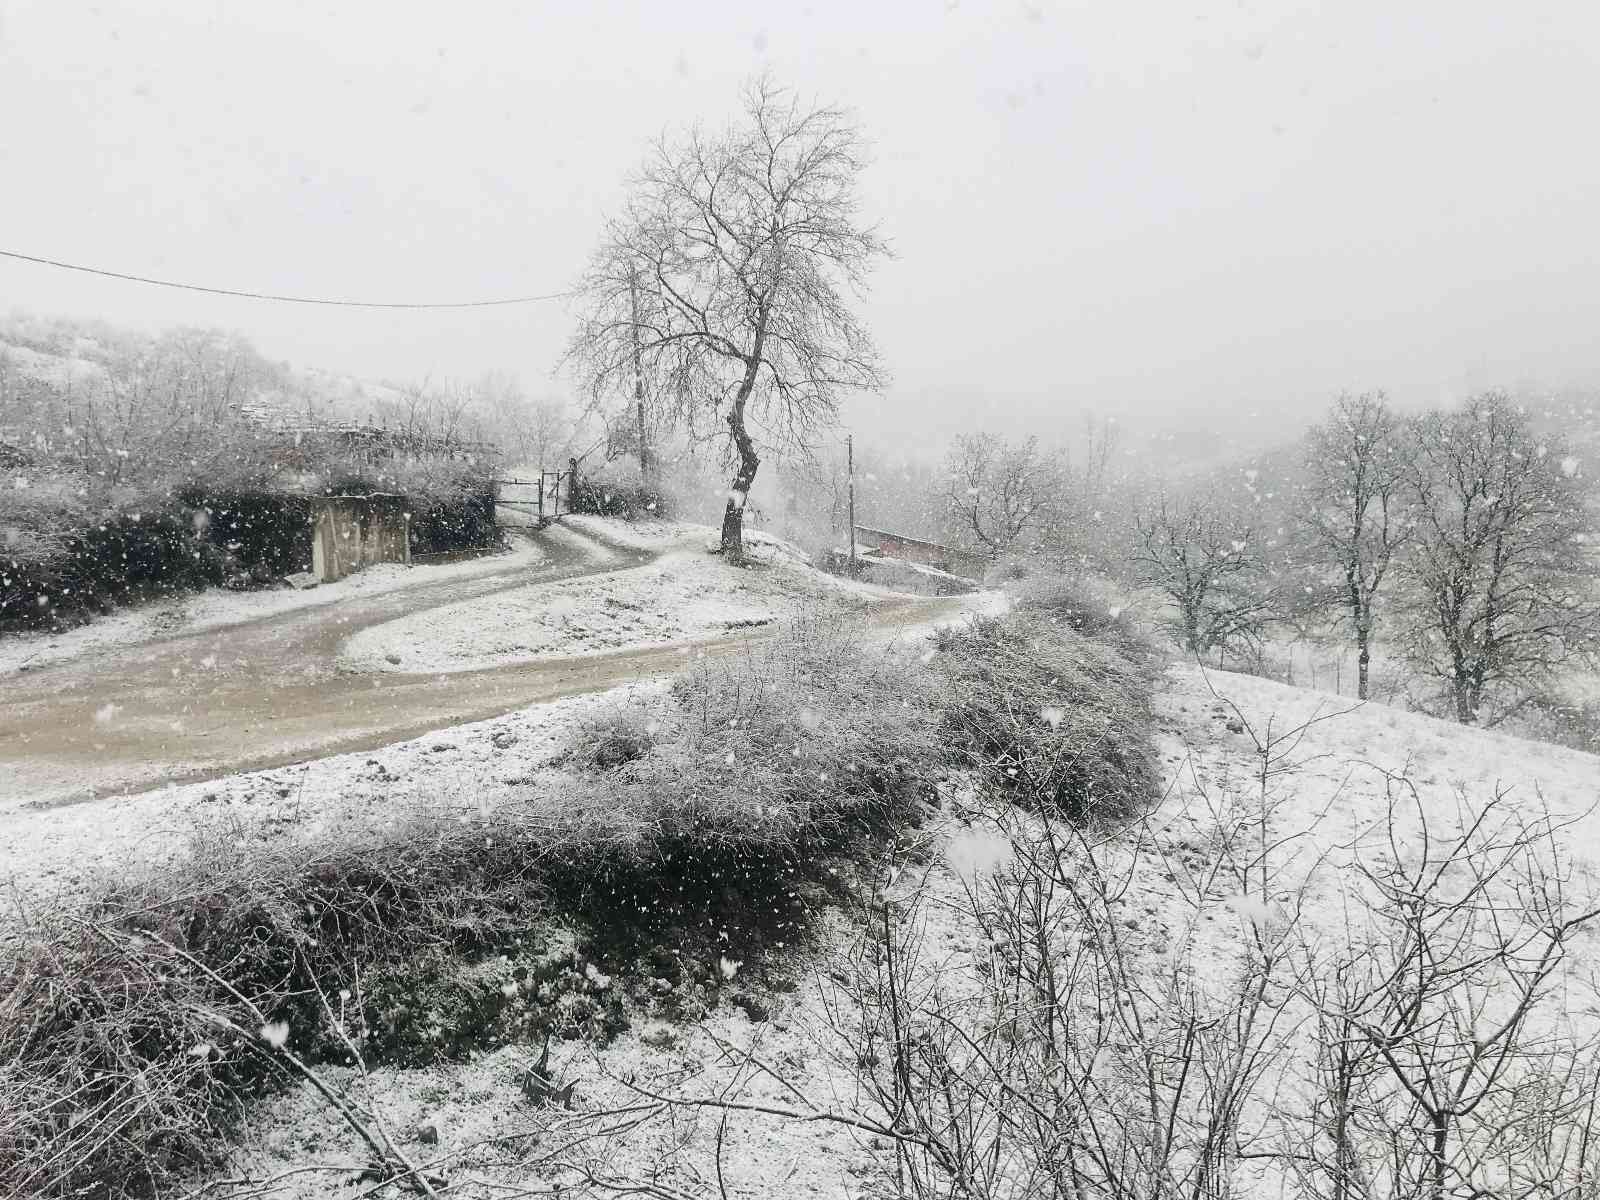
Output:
x=1091 y=609
x=780 y=742
x=1057 y=718
x=615 y=736
x=104 y=1016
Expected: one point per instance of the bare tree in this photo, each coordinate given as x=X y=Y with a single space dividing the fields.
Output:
x=729 y=282
x=1355 y=512
x=170 y=411
x=1504 y=566
x=998 y=491
x=1206 y=560
x=534 y=430
x=1443 y=1067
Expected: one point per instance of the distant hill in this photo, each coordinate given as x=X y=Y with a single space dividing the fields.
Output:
x=75 y=356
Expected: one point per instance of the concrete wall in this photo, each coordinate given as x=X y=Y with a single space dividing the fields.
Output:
x=351 y=532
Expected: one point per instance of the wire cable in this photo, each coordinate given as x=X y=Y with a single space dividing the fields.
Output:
x=215 y=291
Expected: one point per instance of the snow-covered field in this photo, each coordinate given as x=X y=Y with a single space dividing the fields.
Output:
x=216 y=608
x=685 y=595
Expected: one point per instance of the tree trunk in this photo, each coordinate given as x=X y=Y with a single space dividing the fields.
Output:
x=744 y=477
x=647 y=467
x=1439 y=1163
x=1363 y=659
x=647 y=458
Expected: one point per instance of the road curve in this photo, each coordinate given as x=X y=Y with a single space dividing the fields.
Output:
x=267 y=693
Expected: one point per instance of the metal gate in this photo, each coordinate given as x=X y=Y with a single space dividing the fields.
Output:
x=552 y=498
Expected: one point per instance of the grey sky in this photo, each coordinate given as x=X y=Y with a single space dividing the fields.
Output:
x=1123 y=206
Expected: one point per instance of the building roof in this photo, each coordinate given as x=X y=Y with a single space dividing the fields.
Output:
x=908 y=540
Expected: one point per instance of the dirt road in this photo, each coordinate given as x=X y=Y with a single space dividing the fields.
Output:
x=267 y=693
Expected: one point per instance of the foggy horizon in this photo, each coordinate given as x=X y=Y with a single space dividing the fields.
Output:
x=1161 y=214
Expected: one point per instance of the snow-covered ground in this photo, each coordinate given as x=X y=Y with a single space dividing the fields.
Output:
x=686 y=595
x=1333 y=792
x=66 y=850
x=215 y=608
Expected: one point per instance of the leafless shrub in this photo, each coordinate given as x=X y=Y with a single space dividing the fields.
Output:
x=128 y=1031
x=616 y=736
x=1029 y=1034
x=1059 y=719
x=1447 y=1062
x=121 y=1052
x=782 y=740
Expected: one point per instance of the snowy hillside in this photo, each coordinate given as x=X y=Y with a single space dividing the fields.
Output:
x=70 y=355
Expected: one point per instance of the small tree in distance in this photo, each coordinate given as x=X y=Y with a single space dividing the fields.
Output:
x=1354 y=512
x=997 y=491
x=729 y=283
x=1207 y=561
x=1504 y=564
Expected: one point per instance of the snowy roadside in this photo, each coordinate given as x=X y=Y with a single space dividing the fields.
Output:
x=471 y=767
x=216 y=608
x=58 y=852
x=687 y=595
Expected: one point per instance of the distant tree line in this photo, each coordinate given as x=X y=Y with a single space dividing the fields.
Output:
x=1461 y=539
x=1464 y=537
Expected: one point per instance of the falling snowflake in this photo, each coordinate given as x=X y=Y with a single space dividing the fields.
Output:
x=977 y=852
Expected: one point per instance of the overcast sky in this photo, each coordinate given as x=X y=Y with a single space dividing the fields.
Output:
x=1139 y=208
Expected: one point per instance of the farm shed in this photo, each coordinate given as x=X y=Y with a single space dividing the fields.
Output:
x=966 y=563
x=351 y=532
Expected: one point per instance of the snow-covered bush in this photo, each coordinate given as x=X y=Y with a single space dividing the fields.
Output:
x=773 y=745
x=1054 y=717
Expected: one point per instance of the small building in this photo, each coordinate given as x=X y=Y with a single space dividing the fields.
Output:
x=351 y=532
x=967 y=563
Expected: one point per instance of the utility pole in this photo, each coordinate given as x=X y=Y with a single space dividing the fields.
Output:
x=638 y=381
x=850 y=460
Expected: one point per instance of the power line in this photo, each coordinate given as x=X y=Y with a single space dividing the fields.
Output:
x=215 y=291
